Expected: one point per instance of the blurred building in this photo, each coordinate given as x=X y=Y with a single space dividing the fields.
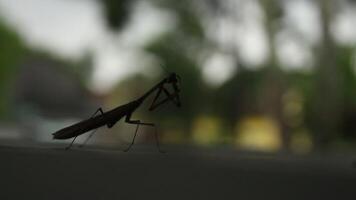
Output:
x=46 y=92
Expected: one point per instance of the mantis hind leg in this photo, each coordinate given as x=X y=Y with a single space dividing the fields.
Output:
x=70 y=145
x=88 y=138
x=157 y=141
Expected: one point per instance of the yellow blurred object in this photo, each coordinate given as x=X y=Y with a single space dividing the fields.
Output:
x=293 y=108
x=173 y=137
x=206 y=130
x=258 y=133
x=301 y=142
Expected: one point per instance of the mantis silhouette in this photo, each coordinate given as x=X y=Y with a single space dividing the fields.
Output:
x=111 y=117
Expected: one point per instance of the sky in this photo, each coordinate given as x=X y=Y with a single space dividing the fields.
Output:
x=71 y=29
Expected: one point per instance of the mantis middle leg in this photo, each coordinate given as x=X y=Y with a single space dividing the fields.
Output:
x=94 y=131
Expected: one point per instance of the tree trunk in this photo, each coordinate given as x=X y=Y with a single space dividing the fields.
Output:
x=328 y=99
x=274 y=84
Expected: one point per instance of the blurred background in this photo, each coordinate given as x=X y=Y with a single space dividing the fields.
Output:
x=257 y=75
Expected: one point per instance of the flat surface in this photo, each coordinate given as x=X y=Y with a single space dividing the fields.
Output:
x=182 y=173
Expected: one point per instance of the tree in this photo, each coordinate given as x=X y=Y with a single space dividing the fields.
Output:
x=11 y=50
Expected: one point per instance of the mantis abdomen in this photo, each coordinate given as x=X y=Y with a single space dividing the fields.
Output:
x=81 y=127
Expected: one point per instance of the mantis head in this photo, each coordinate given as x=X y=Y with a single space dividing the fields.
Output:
x=174 y=79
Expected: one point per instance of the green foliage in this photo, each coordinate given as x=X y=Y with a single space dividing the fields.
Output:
x=344 y=60
x=11 y=50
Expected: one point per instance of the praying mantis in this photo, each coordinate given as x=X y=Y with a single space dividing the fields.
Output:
x=110 y=118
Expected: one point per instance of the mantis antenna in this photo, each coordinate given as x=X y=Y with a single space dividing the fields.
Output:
x=164 y=68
